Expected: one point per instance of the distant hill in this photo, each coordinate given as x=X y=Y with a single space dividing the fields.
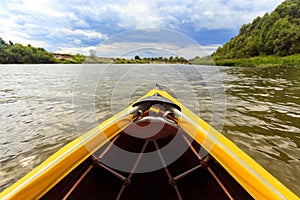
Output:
x=277 y=33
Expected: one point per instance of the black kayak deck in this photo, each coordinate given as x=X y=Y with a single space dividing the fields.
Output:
x=94 y=180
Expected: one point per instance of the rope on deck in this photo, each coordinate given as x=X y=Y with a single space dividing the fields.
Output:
x=126 y=183
x=95 y=163
x=173 y=183
x=204 y=162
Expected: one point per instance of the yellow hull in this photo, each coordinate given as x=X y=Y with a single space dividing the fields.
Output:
x=259 y=183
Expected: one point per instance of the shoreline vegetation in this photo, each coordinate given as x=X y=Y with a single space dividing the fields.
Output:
x=257 y=61
x=11 y=53
x=262 y=61
x=138 y=60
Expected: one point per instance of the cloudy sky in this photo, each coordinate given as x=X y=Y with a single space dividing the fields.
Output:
x=72 y=26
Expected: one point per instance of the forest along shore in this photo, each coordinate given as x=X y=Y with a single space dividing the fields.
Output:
x=270 y=40
x=257 y=61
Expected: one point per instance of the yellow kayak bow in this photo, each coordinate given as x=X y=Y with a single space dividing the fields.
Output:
x=231 y=171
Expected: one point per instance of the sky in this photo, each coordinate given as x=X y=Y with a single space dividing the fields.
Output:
x=77 y=26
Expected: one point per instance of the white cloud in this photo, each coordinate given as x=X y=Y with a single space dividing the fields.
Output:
x=75 y=50
x=230 y=14
x=50 y=8
x=83 y=33
x=201 y=14
x=135 y=14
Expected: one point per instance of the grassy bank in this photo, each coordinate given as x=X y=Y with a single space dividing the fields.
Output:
x=261 y=61
x=68 y=59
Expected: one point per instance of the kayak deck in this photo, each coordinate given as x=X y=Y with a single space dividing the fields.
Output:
x=93 y=166
x=197 y=179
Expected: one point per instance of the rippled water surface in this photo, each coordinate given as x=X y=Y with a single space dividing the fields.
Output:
x=43 y=107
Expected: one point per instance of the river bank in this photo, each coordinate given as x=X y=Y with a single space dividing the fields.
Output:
x=261 y=61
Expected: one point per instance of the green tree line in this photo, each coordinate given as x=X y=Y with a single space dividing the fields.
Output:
x=11 y=53
x=277 y=33
x=138 y=60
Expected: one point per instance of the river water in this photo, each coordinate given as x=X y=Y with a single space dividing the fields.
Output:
x=43 y=107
